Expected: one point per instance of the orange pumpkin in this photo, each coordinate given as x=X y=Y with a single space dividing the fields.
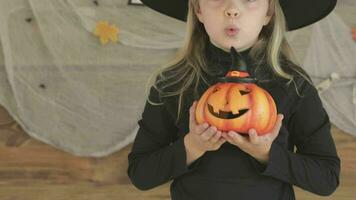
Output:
x=237 y=104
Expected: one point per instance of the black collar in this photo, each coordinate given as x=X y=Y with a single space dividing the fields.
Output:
x=219 y=61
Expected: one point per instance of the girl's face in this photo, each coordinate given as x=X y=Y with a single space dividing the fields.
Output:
x=234 y=23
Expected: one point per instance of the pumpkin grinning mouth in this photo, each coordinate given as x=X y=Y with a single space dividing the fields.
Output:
x=226 y=115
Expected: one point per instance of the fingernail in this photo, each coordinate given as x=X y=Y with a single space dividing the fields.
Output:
x=231 y=134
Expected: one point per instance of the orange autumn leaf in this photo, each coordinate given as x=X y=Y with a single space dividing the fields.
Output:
x=354 y=30
x=106 y=32
x=354 y=33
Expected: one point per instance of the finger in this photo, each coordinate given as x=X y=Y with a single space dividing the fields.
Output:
x=192 y=113
x=265 y=138
x=223 y=134
x=254 y=138
x=206 y=135
x=237 y=138
x=215 y=138
x=201 y=128
x=221 y=141
x=277 y=127
x=193 y=126
x=226 y=137
x=230 y=139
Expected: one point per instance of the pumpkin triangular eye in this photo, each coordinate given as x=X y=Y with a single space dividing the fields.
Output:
x=244 y=92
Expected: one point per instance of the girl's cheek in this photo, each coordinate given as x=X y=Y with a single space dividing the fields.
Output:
x=251 y=4
x=256 y=7
x=256 y=3
x=214 y=3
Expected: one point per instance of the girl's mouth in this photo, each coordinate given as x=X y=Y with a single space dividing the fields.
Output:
x=231 y=31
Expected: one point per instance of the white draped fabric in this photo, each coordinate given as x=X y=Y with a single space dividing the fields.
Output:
x=67 y=89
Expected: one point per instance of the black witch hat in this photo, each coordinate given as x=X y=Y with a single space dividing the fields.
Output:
x=298 y=13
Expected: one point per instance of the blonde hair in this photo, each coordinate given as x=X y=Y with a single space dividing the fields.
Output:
x=185 y=70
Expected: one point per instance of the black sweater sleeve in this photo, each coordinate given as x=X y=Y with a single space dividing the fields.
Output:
x=156 y=156
x=315 y=166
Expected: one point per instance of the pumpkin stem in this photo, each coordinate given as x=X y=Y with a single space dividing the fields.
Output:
x=238 y=63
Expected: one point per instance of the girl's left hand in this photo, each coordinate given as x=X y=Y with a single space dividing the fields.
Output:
x=256 y=146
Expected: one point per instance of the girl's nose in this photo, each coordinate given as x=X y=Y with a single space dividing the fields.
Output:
x=232 y=12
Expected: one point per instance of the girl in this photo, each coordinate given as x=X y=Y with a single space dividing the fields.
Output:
x=208 y=164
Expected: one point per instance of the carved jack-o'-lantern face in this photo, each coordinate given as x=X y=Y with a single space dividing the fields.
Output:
x=238 y=107
x=226 y=114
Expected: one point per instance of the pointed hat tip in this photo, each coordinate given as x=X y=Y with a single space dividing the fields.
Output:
x=238 y=62
x=233 y=50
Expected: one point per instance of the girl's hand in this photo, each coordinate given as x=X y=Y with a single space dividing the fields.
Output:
x=201 y=137
x=256 y=146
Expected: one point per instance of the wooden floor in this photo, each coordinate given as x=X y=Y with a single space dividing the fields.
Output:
x=32 y=170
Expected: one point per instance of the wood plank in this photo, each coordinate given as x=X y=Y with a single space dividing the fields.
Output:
x=33 y=170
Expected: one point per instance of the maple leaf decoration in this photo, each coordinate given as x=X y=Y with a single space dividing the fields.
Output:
x=354 y=33
x=106 y=32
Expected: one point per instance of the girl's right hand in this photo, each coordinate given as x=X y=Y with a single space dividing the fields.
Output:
x=201 y=137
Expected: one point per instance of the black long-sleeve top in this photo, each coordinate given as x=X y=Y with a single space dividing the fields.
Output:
x=303 y=154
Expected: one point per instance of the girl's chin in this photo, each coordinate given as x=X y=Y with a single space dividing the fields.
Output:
x=227 y=44
x=238 y=46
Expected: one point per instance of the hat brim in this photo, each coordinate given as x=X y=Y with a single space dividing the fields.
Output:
x=298 y=13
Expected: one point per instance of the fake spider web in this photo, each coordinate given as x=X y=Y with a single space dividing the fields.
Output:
x=328 y=53
x=66 y=89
